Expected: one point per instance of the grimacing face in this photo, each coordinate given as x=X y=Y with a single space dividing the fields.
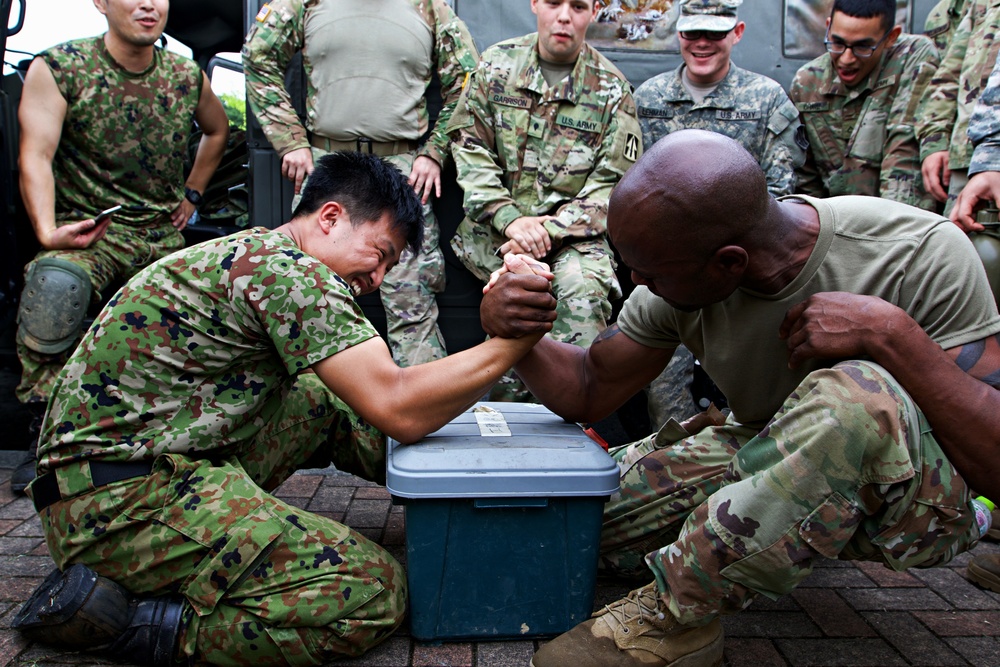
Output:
x=562 y=27
x=361 y=253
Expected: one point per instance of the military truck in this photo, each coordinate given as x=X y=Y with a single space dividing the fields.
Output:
x=638 y=35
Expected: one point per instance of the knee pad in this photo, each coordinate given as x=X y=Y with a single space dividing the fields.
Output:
x=53 y=305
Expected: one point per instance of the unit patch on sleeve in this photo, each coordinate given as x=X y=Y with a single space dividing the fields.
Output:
x=631 y=149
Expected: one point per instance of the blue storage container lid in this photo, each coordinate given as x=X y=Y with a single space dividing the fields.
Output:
x=496 y=450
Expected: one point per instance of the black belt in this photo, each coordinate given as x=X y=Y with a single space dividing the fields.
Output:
x=45 y=489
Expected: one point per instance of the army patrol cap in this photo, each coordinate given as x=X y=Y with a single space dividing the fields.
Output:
x=713 y=15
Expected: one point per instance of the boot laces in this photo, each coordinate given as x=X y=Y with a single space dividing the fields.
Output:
x=640 y=603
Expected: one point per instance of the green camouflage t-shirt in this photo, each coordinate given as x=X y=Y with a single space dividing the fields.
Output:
x=125 y=136
x=185 y=356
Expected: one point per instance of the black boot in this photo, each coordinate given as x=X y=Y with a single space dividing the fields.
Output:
x=25 y=470
x=78 y=609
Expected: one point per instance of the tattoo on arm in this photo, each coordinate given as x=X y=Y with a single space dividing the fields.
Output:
x=980 y=359
x=613 y=330
x=970 y=354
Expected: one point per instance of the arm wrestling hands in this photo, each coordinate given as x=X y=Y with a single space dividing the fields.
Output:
x=526 y=305
x=954 y=388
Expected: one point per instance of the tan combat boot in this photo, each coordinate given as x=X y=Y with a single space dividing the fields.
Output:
x=635 y=631
x=985 y=571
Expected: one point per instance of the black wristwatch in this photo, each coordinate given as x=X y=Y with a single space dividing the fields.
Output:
x=192 y=196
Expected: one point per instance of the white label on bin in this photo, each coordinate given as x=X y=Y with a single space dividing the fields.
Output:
x=491 y=423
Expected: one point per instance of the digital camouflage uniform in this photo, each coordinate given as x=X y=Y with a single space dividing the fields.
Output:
x=941 y=22
x=953 y=91
x=844 y=465
x=279 y=32
x=748 y=107
x=523 y=148
x=201 y=365
x=124 y=141
x=984 y=127
x=861 y=139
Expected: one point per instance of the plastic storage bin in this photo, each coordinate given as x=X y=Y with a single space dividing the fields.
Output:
x=503 y=514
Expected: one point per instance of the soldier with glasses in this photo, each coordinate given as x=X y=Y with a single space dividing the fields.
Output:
x=858 y=103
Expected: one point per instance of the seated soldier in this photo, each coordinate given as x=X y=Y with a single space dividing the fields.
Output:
x=544 y=129
x=94 y=136
x=207 y=380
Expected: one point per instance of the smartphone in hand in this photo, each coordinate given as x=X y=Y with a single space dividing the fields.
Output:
x=106 y=213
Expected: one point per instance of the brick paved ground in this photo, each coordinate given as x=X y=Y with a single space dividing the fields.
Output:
x=844 y=615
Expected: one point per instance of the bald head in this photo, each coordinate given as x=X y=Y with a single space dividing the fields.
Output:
x=694 y=187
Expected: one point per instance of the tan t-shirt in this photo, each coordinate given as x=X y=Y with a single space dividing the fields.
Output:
x=915 y=259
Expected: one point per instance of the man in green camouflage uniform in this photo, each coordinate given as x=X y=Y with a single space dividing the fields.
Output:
x=368 y=65
x=859 y=111
x=709 y=92
x=826 y=452
x=105 y=121
x=941 y=22
x=210 y=377
x=945 y=149
x=543 y=131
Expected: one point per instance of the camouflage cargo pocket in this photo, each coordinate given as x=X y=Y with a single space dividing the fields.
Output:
x=868 y=138
x=216 y=507
x=826 y=530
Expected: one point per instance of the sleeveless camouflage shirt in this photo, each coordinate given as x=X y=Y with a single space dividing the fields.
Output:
x=125 y=136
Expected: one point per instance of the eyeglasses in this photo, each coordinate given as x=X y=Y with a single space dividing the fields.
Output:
x=711 y=35
x=861 y=51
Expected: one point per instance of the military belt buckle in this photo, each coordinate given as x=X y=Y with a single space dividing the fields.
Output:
x=364 y=141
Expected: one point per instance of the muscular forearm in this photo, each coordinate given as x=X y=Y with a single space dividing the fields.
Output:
x=38 y=193
x=408 y=403
x=430 y=395
x=554 y=373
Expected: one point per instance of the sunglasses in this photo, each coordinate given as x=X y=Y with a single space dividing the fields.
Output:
x=711 y=35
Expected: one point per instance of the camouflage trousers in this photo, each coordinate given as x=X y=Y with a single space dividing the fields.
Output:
x=268 y=583
x=848 y=468
x=118 y=256
x=584 y=284
x=408 y=290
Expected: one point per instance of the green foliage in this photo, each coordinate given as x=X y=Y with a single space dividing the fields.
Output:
x=236 y=109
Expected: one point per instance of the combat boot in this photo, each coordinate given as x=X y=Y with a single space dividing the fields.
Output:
x=985 y=571
x=78 y=609
x=636 y=631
